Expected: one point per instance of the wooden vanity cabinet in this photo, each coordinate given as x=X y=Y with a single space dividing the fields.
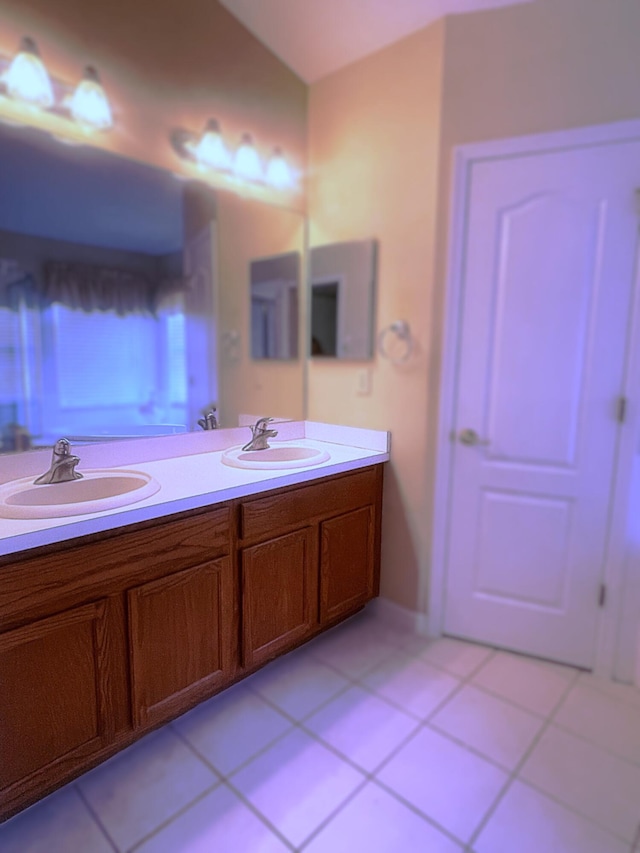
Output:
x=106 y=637
x=103 y=638
x=307 y=559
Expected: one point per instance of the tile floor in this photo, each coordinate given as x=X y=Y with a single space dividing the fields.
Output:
x=368 y=739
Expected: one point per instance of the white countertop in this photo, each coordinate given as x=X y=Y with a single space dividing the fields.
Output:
x=193 y=476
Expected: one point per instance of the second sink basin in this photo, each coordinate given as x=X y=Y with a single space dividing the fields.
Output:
x=97 y=491
x=284 y=456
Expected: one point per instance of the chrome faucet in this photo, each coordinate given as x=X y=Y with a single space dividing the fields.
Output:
x=209 y=421
x=260 y=434
x=63 y=464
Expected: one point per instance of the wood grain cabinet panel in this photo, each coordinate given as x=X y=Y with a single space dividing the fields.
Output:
x=180 y=639
x=55 y=704
x=279 y=595
x=347 y=563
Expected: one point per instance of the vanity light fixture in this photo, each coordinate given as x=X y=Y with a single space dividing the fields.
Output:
x=27 y=82
x=246 y=163
x=279 y=174
x=27 y=78
x=89 y=104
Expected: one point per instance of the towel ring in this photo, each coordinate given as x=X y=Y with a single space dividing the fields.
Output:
x=401 y=332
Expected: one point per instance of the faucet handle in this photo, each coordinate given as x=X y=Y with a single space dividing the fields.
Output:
x=261 y=423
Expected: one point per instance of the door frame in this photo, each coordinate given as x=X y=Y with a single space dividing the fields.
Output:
x=615 y=656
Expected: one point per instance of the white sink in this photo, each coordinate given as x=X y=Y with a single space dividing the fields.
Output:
x=283 y=456
x=96 y=491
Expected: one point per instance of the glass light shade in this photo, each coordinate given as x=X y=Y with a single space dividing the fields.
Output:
x=247 y=164
x=211 y=151
x=279 y=175
x=89 y=103
x=27 y=78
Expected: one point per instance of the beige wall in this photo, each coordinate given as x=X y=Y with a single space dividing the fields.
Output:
x=373 y=132
x=381 y=135
x=246 y=231
x=166 y=64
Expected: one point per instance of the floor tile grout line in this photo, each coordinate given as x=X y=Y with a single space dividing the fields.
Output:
x=295 y=720
x=169 y=820
x=368 y=776
x=604 y=691
x=95 y=816
x=327 y=820
x=579 y=736
x=416 y=810
x=513 y=776
x=568 y=807
x=226 y=779
x=256 y=811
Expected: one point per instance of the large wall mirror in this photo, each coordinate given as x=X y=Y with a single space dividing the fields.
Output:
x=125 y=300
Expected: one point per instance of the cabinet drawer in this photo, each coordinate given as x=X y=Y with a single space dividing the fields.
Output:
x=66 y=577
x=286 y=509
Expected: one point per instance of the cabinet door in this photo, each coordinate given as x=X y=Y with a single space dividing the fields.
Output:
x=181 y=640
x=55 y=704
x=279 y=595
x=347 y=563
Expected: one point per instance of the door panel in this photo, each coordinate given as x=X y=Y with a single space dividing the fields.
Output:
x=549 y=262
x=542 y=307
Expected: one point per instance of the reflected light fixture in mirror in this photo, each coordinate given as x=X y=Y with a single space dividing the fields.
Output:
x=89 y=104
x=246 y=163
x=27 y=78
x=26 y=81
x=211 y=154
x=210 y=151
x=279 y=173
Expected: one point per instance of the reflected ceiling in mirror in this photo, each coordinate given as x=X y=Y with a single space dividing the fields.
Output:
x=105 y=304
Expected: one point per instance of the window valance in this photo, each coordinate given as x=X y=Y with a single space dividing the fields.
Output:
x=85 y=287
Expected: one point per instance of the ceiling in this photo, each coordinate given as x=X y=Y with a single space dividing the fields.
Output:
x=316 y=37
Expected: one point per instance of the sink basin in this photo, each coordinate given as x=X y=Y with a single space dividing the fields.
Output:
x=284 y=456
x=97 y=491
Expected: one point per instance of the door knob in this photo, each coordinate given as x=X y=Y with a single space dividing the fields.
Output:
x=470 y=437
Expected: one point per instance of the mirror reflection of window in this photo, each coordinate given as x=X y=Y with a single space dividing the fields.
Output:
x=274 y=284
x=342 y=297
x=107 y=315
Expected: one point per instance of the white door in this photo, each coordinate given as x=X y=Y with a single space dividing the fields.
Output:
x=547 y=278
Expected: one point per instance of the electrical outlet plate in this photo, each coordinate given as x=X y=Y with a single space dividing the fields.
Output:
x=363 y=385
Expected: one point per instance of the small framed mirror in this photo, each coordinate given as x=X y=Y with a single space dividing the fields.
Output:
x=274 y=286
x=342 y=299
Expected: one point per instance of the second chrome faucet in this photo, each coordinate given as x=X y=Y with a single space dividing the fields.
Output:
x=260 y=434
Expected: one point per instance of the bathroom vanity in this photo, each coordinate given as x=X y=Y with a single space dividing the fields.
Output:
x=108 y=634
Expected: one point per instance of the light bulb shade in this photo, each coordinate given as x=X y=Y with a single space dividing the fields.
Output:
x=279 y=175
x=27 y=78
x=247 y=164
x=211 y=151
x=89 y=103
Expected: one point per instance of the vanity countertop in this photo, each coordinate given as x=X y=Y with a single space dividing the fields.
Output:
x=191 y=475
